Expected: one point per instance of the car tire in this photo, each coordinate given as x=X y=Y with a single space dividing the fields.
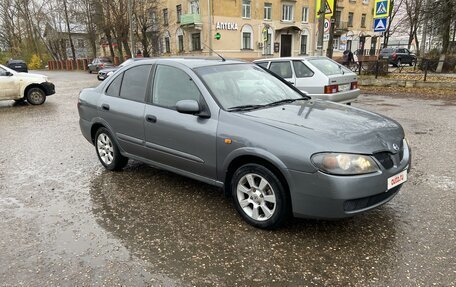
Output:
x=259 y=196
x=107 y=151
x=99 y=79
x=90 y=71
x=36 y=96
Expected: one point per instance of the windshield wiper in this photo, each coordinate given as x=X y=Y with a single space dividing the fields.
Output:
x=285 y=101
x=245 y=108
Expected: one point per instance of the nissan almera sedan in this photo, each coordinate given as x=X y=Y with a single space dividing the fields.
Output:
x=231 y=124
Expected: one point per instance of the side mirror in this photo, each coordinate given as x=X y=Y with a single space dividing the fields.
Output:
x=8 y=74
x=188 y=107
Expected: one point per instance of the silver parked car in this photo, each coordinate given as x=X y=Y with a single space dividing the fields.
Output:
x=318 y=77
x=235 y=125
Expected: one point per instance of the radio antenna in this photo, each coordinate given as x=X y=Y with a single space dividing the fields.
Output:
x=212 y=50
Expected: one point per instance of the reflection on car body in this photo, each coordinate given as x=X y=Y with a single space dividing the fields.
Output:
x=234 y=125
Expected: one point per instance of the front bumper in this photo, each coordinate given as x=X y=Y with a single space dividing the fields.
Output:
x=340 y=97
x=49 y=88
x=321 y=195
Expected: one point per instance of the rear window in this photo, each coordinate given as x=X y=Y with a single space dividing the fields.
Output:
x=328 y=67
x=105 y=60
x=387 y=50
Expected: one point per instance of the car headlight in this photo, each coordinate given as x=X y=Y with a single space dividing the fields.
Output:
x=344 y=163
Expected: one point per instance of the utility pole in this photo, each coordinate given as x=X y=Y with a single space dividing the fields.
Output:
x=329 y=50
x=130 y=18
x=321 y=26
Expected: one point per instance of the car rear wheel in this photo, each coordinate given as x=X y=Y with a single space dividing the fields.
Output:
x=108 y=152
x=259 y=196
x=36 y=96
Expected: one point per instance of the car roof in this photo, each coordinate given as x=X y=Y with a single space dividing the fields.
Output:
x=15 y=61
x=291 y=58
x=193 y=62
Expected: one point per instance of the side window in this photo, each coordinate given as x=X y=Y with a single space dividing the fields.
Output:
x=301 y=70
x=114 y=87
x=282 y=69
x=2 y=72
x=134 y=83
x=263 y=64
x=172 y=85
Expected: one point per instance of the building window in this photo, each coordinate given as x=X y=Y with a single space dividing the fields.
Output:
x=363 y=21
x=350 y=19
x=180 y=43
x=336 y=43
x=194 y=7
x=303 y=50
x=180 y=40
x=305 y=14
x=196 y=41
x=267 y=11
x=247 y=38
x=245 y=8
x=337 y=18
x=165 y=16
x=267 y=42
x=167 y=45
x=178 y=12
x=287 y=12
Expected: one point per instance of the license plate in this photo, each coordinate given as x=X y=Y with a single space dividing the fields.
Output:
x=397 y=179
x=344 y=88
x=17 y=66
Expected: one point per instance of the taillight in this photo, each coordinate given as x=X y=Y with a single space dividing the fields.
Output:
x=101 y=65
x=331 y=89
x=394 y=56
x=354 y=86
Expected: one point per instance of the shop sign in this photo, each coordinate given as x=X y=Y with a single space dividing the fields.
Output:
x=226 y=26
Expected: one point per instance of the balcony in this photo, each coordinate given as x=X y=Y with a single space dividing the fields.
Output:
x=340 y=27
x=190 y=19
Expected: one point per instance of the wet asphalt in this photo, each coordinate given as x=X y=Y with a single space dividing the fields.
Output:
x=66 y=221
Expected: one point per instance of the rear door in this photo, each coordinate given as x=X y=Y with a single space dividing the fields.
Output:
x=122 y=106
x=305 y=80
x=284 y=70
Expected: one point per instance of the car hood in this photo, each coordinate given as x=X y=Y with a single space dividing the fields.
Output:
x=30 y=76
x=335 y=127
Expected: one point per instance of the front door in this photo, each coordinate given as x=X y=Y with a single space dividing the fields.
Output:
x=285 y=45
x=183 y=141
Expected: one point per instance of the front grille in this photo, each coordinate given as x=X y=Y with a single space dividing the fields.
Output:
x=361 y=203
x=385 y=159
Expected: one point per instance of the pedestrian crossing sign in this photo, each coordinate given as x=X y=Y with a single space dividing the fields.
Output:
x=380 y=24
x=382 y=8
x=329 y=5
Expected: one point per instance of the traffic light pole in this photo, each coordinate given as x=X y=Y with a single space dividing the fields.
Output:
x=321 y=27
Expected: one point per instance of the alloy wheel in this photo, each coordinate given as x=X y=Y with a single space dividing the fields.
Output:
x=105 y=148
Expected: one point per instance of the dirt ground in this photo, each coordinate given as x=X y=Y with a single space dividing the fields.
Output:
x=65 y=221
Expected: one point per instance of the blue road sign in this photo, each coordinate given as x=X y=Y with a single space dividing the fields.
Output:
x=381 y=8
x=380 y=24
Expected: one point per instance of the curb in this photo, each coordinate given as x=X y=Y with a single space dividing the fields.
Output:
x=382 y=82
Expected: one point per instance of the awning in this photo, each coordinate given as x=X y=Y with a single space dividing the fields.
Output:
x=289 y=28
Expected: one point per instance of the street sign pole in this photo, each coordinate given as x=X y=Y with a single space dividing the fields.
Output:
x=321 y=27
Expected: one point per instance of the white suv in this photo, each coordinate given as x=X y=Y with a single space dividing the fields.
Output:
x=24 y=86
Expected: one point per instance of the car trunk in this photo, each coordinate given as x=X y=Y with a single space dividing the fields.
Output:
x=342 y=80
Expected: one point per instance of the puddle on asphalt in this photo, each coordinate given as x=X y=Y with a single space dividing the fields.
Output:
x=190 y=231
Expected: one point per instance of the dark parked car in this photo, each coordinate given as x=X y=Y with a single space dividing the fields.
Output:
x=99 y=63
x=398 y=56
x=17 y=65
x=104 y=73
x=237 y=126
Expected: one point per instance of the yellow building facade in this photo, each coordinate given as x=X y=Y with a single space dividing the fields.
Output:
x=252 y=29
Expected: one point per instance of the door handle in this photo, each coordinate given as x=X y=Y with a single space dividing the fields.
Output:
x=105 y=107
x=151 y=118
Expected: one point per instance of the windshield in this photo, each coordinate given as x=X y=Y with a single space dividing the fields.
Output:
x=244 y=84
x=329 y=67
x=8 y=69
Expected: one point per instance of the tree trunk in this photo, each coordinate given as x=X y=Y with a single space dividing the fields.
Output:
x=67 y=20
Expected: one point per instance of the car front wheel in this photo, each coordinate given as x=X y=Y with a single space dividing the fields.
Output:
x=259 y=196
x=108 y=152
x=36 y=96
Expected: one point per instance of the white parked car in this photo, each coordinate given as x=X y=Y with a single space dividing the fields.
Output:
x=24 y=86
x=319 y=77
